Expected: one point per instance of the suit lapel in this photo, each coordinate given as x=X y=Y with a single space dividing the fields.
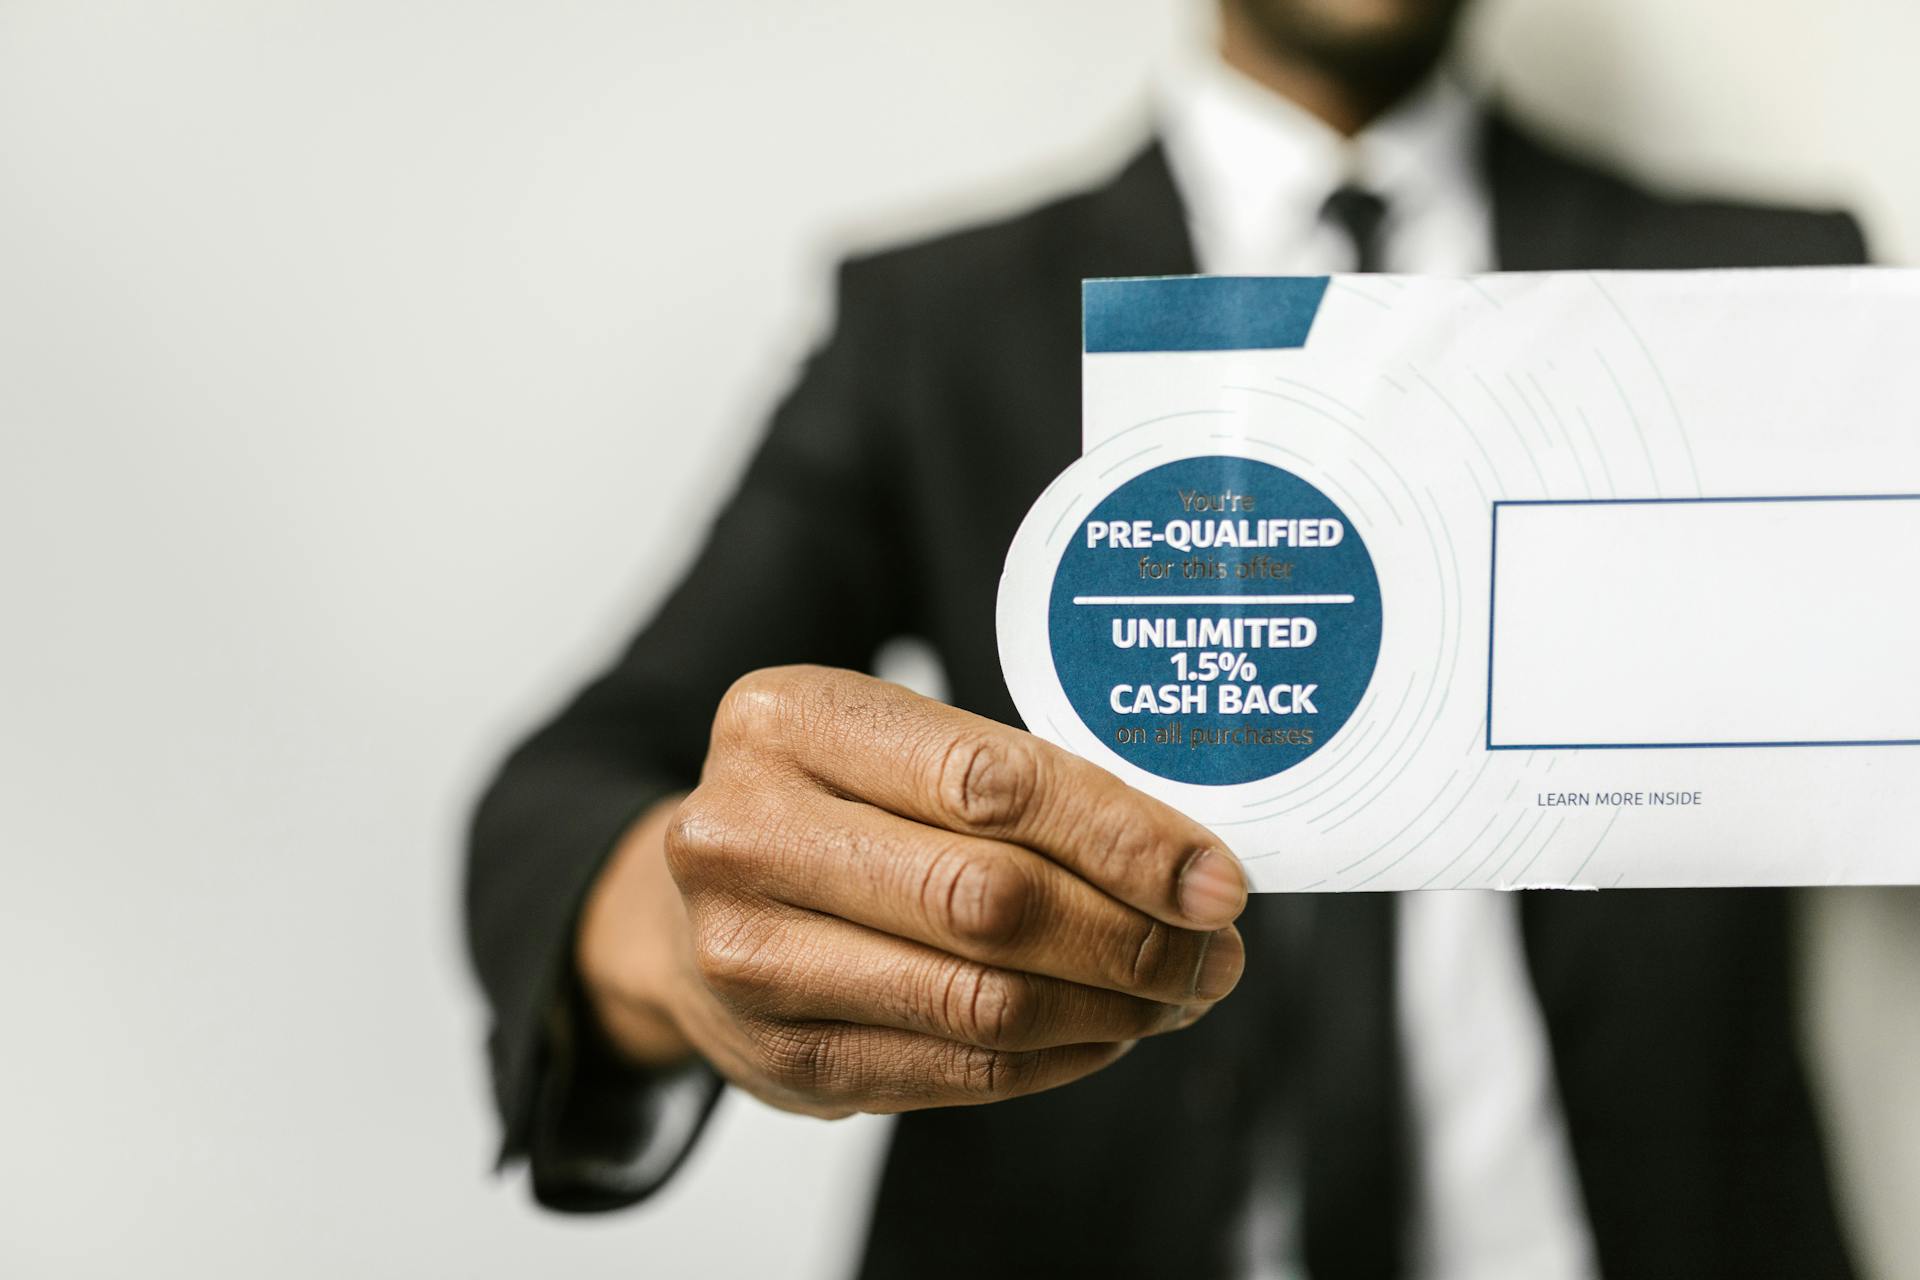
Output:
x=1137 y=224
x=1548 y=213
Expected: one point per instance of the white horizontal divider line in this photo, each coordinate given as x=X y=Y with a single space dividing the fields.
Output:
x=1174 y=599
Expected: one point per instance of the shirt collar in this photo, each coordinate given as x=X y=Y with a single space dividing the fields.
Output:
x=1248 y=162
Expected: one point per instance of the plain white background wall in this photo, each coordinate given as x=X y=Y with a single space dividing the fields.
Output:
x=366 y=368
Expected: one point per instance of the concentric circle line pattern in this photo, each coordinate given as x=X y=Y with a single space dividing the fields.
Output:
x=1546 y=842
x=1480 y=490
x=1513 y=425
x=1368 y=475
x=1573 y=451
x=1385 y=736
x=1442 y=663
x=1339 y=495
x=1626 y=407
x=1361 y=735
x=1165 y=417
x=1385 y=462
x=1659 y=377
x=1588 y=860
x=1328 y=396
x=1487 y=857
x=1348 y=287
x=1328 y=758
x=1419 y=813
x=1465 y=849
x=1499 y=873
x=1493 y=468
x=1420 y=842
x=1474 y=283
x=1152 y=448
x=1606 y=468
x=1066 y=510
x=1349 y=743
x=1479 y=774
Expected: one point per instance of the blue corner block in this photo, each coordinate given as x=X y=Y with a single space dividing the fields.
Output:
x=1199 y=313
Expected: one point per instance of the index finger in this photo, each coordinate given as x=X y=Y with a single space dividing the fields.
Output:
x=924 y=760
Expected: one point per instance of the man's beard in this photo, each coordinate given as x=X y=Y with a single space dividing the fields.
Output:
x=1382 y=59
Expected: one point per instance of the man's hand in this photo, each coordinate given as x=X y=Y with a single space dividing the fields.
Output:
x=874 y=902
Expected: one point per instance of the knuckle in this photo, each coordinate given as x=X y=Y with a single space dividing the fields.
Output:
x=729 y=834
x=755 y=704
x=983 y=901
x=738 y=956
x=715 y=834
x=799 y=1058
x=986 y=781
x=996 y=1073
x=991 y=1007
x=692 y=834
x=1143 y=954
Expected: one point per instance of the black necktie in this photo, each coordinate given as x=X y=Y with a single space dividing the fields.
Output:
x=1354 y=1209
x=1359 y=213
x=1354 y=1202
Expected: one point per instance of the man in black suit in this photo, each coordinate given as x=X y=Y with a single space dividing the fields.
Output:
x=876 y=902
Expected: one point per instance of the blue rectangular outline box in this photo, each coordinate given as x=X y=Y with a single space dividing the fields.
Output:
x=1493 y=598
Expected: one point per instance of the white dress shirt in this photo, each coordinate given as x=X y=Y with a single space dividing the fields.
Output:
x=1496 y=1196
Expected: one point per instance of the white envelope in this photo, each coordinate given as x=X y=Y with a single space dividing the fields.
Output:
x=1564 y=579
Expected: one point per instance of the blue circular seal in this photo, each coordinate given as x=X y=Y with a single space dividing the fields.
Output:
x=1215 y=620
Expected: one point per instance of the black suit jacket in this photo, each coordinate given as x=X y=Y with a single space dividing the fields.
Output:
x=880 y=504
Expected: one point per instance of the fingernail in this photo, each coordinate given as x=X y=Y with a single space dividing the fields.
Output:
x=1213 y=889
x=1220 y=966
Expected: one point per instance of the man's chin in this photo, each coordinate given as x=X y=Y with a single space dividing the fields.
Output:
x=1360 y=40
